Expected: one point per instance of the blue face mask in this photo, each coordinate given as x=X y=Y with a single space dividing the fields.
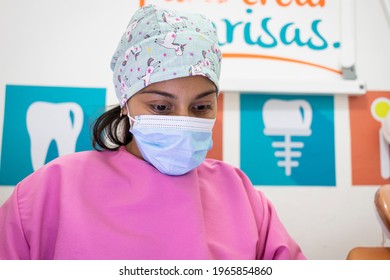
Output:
x=174 y=145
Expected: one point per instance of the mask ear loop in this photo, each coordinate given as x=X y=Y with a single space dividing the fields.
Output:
x=131 y=119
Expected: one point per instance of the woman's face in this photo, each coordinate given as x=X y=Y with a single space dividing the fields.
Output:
x=194 y=96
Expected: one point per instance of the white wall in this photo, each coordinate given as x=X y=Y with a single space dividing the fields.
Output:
x=70 y=43
x=329 y=222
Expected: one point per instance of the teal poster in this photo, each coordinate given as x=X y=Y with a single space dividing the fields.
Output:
x=287 y=140
x=42 y=123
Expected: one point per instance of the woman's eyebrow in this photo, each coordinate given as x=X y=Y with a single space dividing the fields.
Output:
x=206 y=93
x=162 y=93
x=172 y=96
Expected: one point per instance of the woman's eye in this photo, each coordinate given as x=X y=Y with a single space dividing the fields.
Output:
x=161 y=108
x=202 y=107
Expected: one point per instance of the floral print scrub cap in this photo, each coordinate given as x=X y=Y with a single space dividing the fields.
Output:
x=162 y=44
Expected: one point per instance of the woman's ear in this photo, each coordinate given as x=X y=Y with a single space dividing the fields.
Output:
x=124 y=109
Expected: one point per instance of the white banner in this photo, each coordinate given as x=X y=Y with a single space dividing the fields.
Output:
x=208 y=270
x=297 y=46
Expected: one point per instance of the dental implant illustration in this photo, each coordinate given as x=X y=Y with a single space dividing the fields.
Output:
x=287 y=118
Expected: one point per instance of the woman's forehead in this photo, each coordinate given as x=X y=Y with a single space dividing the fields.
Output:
x=182 y=87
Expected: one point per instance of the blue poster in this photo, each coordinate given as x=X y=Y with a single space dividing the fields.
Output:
x=42 y=123
x=288 y=140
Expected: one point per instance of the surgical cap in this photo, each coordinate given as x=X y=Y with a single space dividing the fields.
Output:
x=160 y=45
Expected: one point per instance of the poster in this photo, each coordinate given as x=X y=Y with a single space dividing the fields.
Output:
x=288 y=140
x=42 y=123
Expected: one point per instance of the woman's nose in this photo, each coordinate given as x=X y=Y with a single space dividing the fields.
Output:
x=184 y=112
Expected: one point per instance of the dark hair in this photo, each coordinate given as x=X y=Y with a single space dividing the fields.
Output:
x=111 y=130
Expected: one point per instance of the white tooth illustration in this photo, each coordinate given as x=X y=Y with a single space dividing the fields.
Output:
x=287 y=118
x=61 y=122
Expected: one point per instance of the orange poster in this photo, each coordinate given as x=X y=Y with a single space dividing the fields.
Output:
x=369 y=148
x=216 y=151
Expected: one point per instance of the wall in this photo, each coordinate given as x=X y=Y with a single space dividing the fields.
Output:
x=70 y=43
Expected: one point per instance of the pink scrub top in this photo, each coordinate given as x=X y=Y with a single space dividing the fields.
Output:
x=112 y=205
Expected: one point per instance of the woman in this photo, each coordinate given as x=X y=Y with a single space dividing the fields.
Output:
x=150 y=193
